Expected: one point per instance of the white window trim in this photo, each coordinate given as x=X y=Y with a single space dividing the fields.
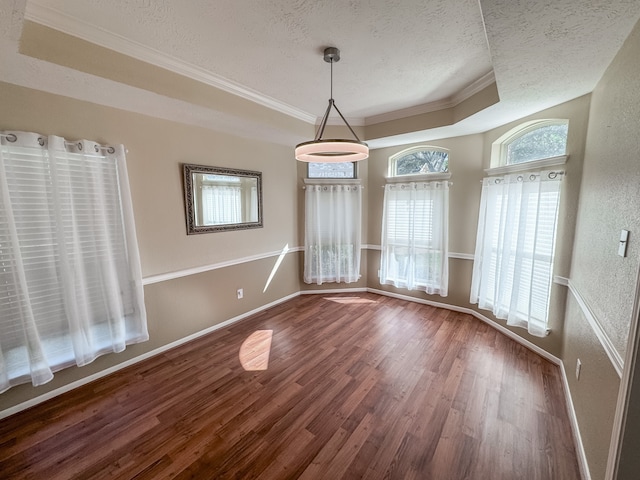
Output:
x=528 y=166
x=420 y=177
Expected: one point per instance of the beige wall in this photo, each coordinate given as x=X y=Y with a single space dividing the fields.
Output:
x=156 y=148
x=594 y=396
x=610 y=201
x=612 y=180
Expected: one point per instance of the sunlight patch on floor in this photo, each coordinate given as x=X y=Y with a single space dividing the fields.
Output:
x=255 y=350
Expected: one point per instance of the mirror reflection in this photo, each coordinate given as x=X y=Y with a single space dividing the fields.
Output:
x=222 y=198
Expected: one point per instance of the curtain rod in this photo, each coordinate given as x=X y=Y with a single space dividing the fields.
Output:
x=552 y=175
x=12 y=138
x=304 y=187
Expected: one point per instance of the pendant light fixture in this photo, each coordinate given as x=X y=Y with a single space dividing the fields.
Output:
x=332 y=150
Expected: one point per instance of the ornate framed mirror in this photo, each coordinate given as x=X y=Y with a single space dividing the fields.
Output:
x=221 y=199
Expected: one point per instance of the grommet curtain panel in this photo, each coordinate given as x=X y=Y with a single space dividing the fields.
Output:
x=515 y=245
x=332 y=241
x=415 y=237
x=70 y=276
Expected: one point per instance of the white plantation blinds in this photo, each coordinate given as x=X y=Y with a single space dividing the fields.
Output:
x=513 y=266
x=332 y=233
x=415 y=228
x=70 y=279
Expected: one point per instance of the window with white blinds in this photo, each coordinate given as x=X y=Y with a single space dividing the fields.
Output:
x=513 y=266
x=70 y=279
x=415 y=236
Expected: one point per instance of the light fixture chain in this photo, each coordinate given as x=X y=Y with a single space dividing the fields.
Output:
x=331 y=92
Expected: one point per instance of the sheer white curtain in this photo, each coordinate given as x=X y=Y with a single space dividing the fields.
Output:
x=253 y=205
x=513 y=266
x=221 y=204
x=70 y=278
x=332 y=233
x=415 y=237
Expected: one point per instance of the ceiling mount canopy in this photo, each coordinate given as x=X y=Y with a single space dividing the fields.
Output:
x=332 y=150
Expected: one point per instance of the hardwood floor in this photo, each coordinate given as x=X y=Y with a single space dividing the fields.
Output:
x=357 y=386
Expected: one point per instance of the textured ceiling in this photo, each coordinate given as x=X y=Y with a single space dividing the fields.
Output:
x=420 y=51
x=399 y=57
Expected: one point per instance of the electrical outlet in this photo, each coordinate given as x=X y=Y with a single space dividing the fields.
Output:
x=578 y=368
x=240 y=293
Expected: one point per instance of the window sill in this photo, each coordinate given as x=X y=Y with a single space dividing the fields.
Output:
x=423 y=177
x=528 y=166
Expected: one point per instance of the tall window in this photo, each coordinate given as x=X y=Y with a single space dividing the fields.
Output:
x=515 y=242
x=515 y=246
x=70 y=279
x=415 y=236
x=415 y=221
x=332 y=233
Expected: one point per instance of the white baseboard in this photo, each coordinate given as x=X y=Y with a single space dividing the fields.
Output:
x=103 y=373
x=334 y=290
x=577 y=438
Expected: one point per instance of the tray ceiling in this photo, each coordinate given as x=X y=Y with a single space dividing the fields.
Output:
x=399 y=58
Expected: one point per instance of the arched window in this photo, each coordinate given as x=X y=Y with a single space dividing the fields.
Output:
x=419 y=161
x=537 y=140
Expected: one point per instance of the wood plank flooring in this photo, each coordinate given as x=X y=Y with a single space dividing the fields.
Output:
x=357 y=386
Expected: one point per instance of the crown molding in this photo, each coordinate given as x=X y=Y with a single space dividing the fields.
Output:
x=337 y=121
x=450 y=102
x=410 y=112
x=473 y=88
x=52 y=18
x=70 y=25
